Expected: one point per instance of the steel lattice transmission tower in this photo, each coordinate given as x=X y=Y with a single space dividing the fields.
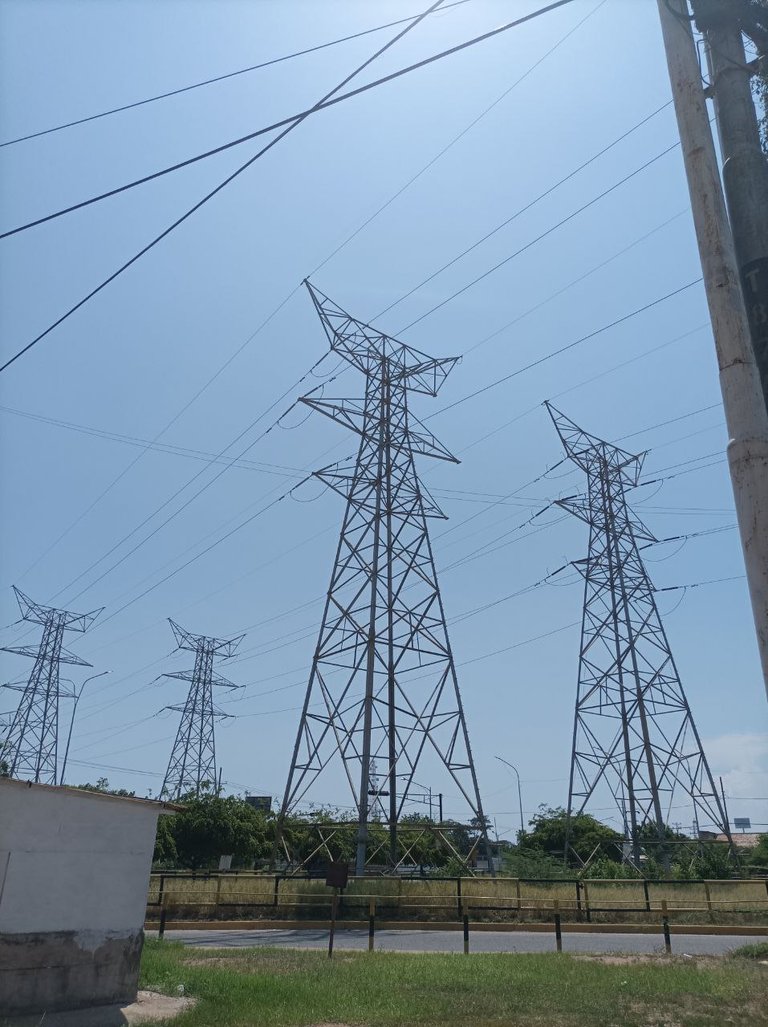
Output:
x=192 y=766
x=633 y=730
x=383 y=683
x=30 y=750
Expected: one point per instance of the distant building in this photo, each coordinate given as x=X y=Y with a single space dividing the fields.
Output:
x=261 y=803
x=744 y=839
x=74 y=876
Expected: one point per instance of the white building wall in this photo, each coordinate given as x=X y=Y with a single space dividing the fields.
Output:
x=72 y=860
x=74 y=876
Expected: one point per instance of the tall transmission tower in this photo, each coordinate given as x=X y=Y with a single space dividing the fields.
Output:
x=383 y=683
x=192 y=766
x=30 y=749
x=633 y=731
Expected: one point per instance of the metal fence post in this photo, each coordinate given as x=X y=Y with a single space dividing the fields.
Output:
x=519 y=899
x=276 y=892
x=161 y=928
x=586 y=902
x=334 y=900
x=558 y=930
x=459 y=904
x=665 y=927
x=371 y=923
x=466 y=930
x=647 y=896
x=578 y=898
x=708 y=895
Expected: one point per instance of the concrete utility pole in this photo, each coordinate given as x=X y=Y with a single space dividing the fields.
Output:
x=743 y=403
x=745 y=167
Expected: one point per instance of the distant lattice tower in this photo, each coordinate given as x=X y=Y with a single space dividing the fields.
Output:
x=192 y=766
x=383 y=683
x=633 y=732
x=30 y=749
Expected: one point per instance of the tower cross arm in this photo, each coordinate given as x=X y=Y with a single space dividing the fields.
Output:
x=32 y=650
x=221 y=646
x=39 y=614
x=590 y=453
x=348 y=412
x=189 y=675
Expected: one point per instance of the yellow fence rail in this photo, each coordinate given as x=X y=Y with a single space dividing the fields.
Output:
x=238 y=894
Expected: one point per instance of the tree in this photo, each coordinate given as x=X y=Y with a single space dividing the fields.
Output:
x=758 y=856
x=587 y=837
x=209 y=827
x=754 y=22
x=102 y=785
x=166 y=855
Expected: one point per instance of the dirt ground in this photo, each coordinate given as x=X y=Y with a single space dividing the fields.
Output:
x=148 y=1006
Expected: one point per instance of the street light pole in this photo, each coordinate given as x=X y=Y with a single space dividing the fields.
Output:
x=519 y=789
x=72 y=721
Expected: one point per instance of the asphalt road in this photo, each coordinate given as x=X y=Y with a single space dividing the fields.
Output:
x=452 y=941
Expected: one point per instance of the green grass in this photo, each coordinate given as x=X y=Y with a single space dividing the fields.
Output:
x=757 y=951
x=283 y=988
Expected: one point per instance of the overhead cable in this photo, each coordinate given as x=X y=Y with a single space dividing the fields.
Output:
x=532 y=203
x=528 y=245
x=291 y=121
x=220 y=78
x=289 y=127
x=568 y=346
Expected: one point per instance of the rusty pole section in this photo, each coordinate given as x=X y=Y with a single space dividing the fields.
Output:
x=745 y=411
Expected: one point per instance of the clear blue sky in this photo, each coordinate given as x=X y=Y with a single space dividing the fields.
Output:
x=131 y=359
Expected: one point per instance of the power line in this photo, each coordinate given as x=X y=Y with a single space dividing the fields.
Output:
x=169 y=424
x=294 y=123
x=207 y=549
x=132 y=440
x=203 y=488
x=216 y=458
x=290 y=122
x=576 y=281
x=530 y=204
x=569 y=346
x=475 y=121
x=672 y=420
x=219 y=78
x=492 y=545
x=700 y=584
x=528 y=245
